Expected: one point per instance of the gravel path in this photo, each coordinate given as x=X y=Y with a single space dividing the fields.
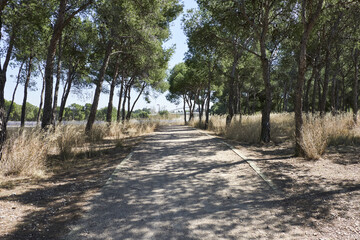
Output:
x=182 y=184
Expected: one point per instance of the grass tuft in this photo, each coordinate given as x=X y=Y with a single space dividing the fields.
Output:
x=25 y=153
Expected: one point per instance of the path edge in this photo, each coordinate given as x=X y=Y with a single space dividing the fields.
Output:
x=252 y=164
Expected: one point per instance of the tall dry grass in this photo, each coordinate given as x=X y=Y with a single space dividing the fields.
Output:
x=26 y=151
x=318 y=132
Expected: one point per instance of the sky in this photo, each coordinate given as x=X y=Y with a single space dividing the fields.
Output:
x=158 y=101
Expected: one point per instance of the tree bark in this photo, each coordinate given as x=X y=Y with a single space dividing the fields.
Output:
x=184 y=108
x=207 y=113
x=118 y=117
x=128 y=103
x=355 y=85
x=26 y=85
x=326 y=82
x=307 y=91
x=112 y=89
x=41 y=97
x=95 y=103
x=123 y=115
x=65 y=95
x=57 y=84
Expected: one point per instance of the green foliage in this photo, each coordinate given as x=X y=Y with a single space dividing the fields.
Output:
x=164 y=113
x=15 y=114
x=141 y=113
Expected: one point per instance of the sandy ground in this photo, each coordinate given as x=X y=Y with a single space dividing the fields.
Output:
x=182 y=184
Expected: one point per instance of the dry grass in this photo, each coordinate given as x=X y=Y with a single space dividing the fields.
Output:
x=26 y=152
x=69 y=137
x=318 y=132
x=248 y=127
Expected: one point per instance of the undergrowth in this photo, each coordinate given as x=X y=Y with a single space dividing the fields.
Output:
x=318 y=132
x=27 y=150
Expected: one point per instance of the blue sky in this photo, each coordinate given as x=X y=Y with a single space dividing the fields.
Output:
x=178 y=38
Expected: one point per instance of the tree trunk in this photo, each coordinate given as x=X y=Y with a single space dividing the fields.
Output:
x=118 y=117
x=200 y=103
x=316 y=84
x=57 y=84
x=299 y=151
x=208 y=105
x=128 y=103
x=326 y=82
x=41 y=98
x=95 y=103
x=59 y=26
x=27 y=80
x=123 y=115
x=3 y=72
x=356 y=84
x=307 y=91
x=184 y=108
x=13 y=96
x=231 y=86
x=112 y=88
x=47 y=113
x=137 y=99
x=265 y=113
x=65 y=95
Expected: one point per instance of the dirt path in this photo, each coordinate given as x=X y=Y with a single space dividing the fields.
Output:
x=181 y=184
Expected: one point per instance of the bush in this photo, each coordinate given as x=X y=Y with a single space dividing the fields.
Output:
x=164 y=113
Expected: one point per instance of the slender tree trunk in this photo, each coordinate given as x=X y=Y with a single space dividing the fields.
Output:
x=231 y=86
x=200 y=101
x=299 y=151
x=136 y=100
x=356 y=84
x=14 y=92
x=208 y=104
x=112 y=88
x=95 y=103
x=65 y=95
x=123 y=115
x=307 y=91
x=316 y=84
x=57 y=84
x=41 y=97
x=184 y=108
x=26 y=86
x=118 y=117
x=326 y=82
x=129 y=104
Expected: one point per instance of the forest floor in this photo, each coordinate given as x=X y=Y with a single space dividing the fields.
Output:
x=320 y=199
